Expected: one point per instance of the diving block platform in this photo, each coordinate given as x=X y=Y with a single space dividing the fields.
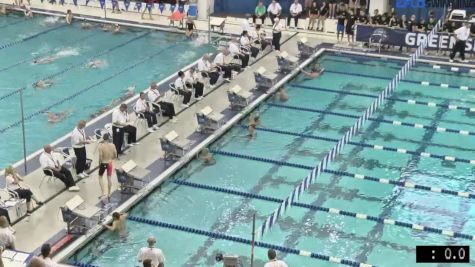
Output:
x=219 y=23
x=287 y=63
x=264 y=80
x=238 y=97
x=208 y=120
x=305 y=50
x=173 y=146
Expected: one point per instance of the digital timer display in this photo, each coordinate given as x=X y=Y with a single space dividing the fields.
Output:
x=435 y=254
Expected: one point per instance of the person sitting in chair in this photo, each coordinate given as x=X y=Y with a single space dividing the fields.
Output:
x=13 y=185
x=143 y=110
x=49 y=162
x=183 y=88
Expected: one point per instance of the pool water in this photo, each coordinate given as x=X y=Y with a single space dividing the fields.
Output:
x=301 y=228
x=131 y=58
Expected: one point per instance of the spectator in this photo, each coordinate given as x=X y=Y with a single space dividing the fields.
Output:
x=183 y=89
x=13 y=184
x=48 y=161
x=340 y=26
x=403 y=22
x=431 y=23
x=350 y=26
x=332 y=4
x=143 y=110
x=259 y=12
x=313 y=14
x=322 y=16
x=277 y=34
x=107 y=154
x=393 y=21
x=78 y=142
x=362 y=17
x=385 y=19
x=462 y=35
x=411 y=25
x=155 y=255
x=46 y=255
x=273 y=262
x=120 y=126
x=274 y=11
x=376 y=18
x=7 y=239
x=295 y=11
x=422 y=26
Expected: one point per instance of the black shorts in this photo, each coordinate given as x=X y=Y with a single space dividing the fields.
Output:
x=105 y=167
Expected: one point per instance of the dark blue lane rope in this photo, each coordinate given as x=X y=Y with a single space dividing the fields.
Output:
x=32 y=115
x=246 y=241
x=30 y=37
x=80 y=264
x=413 y=125
x=379 y=220
x=46 y=52
x=106 y=51
x=11 y=94
x=426 y=83
x=348 y=174
x=407 y=101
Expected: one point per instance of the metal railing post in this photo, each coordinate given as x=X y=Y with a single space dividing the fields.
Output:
x=23 y=131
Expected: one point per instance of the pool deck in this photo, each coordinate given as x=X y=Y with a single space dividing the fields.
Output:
x=148 y=154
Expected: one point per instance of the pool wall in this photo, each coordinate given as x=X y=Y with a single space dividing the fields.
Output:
x=83 y=240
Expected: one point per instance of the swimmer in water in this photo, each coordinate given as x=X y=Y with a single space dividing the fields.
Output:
x=106 y=27
x=45 y=60
x=253 y=123
x=94 y=64
x=282 y=95
x=207 y=157
x=118 y=223
x=117 y=28
x=128 y=93
x=3 y=10
x=69 y=17
x=86 y=25
x=28 y=13
x=57 y=117
x=315 y=72
x=43 y=84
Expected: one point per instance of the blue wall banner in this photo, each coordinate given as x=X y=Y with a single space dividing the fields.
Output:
x=400 y=37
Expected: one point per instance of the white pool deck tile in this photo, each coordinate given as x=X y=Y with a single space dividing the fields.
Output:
x=45 y=222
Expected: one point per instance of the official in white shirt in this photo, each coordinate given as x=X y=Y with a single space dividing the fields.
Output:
x=197 y=80
x=50 y=162
x=204 y=66
x=274 y=11
x=78 y=142
x=462 y=34
x=273 y=261
x=295 y=11
x=152 y=253
x=277 y=34
x=143 y=109
x=184 y=88
x=120 y=126
x=259 y=37
x=246 y=43
x=220 y=63
x=154 y=97
x=236 y=52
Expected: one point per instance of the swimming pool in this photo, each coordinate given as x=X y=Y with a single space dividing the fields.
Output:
x=132 y=58
x=251 y=176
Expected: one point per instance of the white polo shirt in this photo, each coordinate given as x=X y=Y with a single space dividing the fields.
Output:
x=245 y=41
x=274 y=9
x=119 y=117
x=219 y=59
x=189 y=78
x=78 y=137
x=49 y=161
x=155 y=254
x=462 y=33
x=179 y=83
x=278 y=27
x=204 y=65
x=141 y=105
x=234 y=48
x=295 y=8
x=153 y=95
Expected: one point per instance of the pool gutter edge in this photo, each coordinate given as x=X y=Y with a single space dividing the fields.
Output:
x=81 y=241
